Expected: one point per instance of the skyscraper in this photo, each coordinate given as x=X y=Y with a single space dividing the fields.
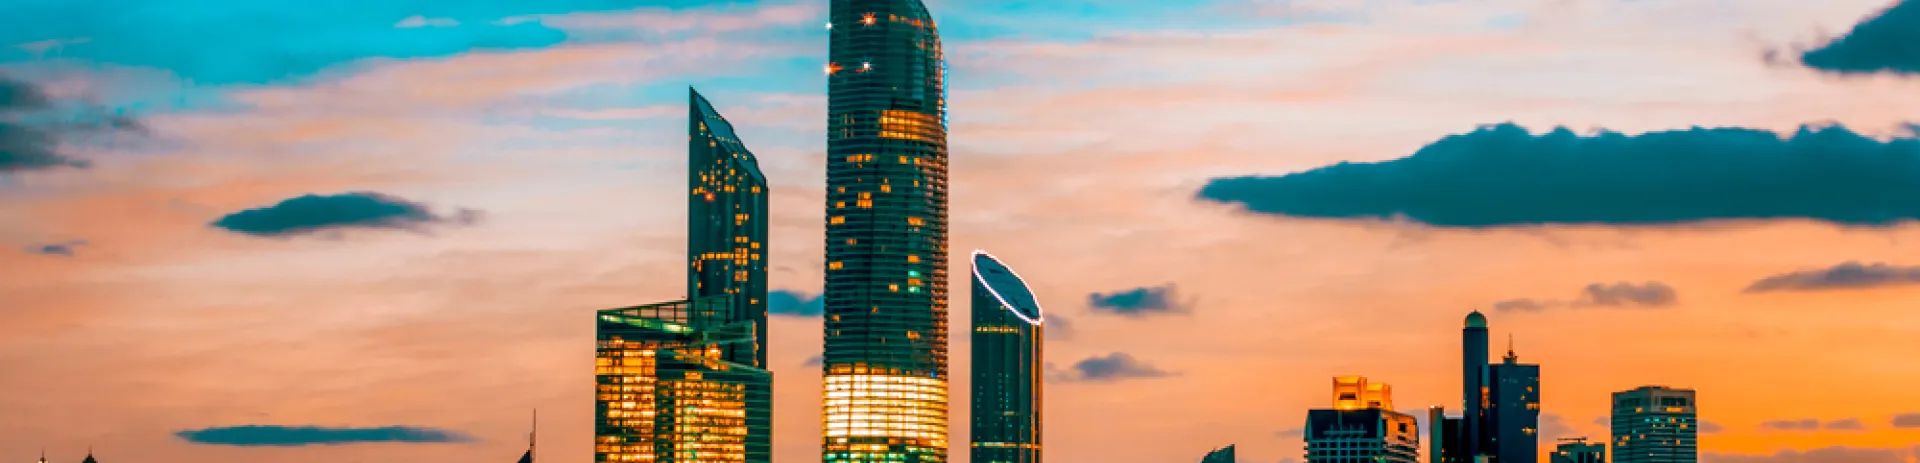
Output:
x=1219 y=455
x=1007 y=363
x=726 y=224
x=664 y=391
x=1514 y=409
x=1578 y=450
x=1655 y=424
x=1361 y=427
x=1474 y=435
x=885 y=365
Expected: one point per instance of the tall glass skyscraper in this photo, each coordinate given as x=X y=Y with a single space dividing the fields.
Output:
x=885 y=364
x=1655 y=424
x=1475 y=429
x=726 y=224
x=1513 y=401
x=1007 y=365
x=664 y=391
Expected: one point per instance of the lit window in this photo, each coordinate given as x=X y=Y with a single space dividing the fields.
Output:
x=895 y=287
x=836 y=220
x=867 y=19
x=834 y=265
x=851 y=241
x=836 y=204
x=913 y=259
x=886 y=188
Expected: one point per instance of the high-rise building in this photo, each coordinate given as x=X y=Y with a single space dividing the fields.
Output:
x=664 y=391
x=1361 y=427
x=1219 y=455
x=1443 y=437
x=1475 y=428
x=885 y=365
x=727 y=224
x=1007 y=365
x=1655 y=424
x=1513 y=410
x=1578 y=450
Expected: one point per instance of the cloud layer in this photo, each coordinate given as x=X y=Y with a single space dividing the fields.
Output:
x=793 y=303
x=29 y=141
x=318 y=213
x=1886 y=42
x=1117 y=366
x=1138 y=302
x=1651 y=294
x=295 y=436
x=1503 y=175
x=1849 y=275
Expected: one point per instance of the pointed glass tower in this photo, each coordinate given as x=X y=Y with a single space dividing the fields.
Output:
x=1007 y=365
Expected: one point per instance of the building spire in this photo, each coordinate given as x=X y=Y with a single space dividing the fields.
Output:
x=533 y=436
x=1510 y=357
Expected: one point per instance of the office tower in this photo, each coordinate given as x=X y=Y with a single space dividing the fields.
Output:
x=1513 y=410
x=1473 y=354
x=885 y=365
x=1007 y=365
x=727 y=241
x=664 y=391
x=1361 y=427
x=727 y=224
x=1436 y=434
x=1655 y=424
x=1578 y=450
x=1219 y=455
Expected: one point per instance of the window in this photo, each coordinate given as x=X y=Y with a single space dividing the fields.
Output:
x=834 y=265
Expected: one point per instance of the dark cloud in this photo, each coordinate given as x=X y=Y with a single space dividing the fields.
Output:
x=317 y=213
x=1293 y=433
x=294 y=436
x=1808 y=424
x=1138 y=302
x=1553 y=426
x=1888 y=41
x=1906 y=420
x=1850 y=275
x=815 y=361
x=1623 y=294
x=33 y=129
x=1834 y=454
x=1503 y=175
x=796 y=304
x=1112 y=367
x=67 y=249
x=1847 y=424
x=1058 y=327
x=1709 y=427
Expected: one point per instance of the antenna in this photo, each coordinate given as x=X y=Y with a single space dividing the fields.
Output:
x=533 y=436
x=1510 y=356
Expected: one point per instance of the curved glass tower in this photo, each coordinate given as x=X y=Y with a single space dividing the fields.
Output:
x=885 y=364
x=1007 y=362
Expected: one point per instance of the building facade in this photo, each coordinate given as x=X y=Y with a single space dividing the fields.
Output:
x=1474 y=426
x=885 y=364
x=1219 y=455
x=664 y=391
x=1514 y=410
x=1655 y=424
x=1578 y=450
x=727 y=224
x=1443 y=437
x=1008 y=366
x=1361 y=427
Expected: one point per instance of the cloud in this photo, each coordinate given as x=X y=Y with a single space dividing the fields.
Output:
x=1117 y=366
x=316 y=213
x=66 y=249
x=1503 y=175
x=1554 y=426
x=1293 y=433
x=1849 y=275
x=1835 y=454
x=1651 y=294
x=1058 y=327
x=1847 y=424
x=1138 y=302
x=33 y=143
x=815 y=361
x=1709 y=427
x=1906 y=420
x=796 y=304
x=1808 y=424
x=1883 y=42
x=422 y=21
x=294 y=436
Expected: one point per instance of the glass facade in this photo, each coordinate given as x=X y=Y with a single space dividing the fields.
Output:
x=1578 y=450
x=1362 y=436
x=1219 y=455
x=1654 y=424
x=1475 y=422
x=1007 y=365
x=885 y=364
x=726 y=224
x=664 y=391
x=1514 y=407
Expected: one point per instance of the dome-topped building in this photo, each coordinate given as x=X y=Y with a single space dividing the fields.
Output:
x=1476 y=320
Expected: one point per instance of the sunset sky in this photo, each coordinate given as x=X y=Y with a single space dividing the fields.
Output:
x=1221 y=204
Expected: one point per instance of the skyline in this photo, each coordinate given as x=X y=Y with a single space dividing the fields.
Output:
x=178 y=253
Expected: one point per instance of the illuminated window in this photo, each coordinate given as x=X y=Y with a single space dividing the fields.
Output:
x=851 y=241
x=886 y=188
x=916 y=221
x=836 y=204
x=895 y=287
x=913 y=259
x=837 y=220
x=864 y=203
x=833 y=265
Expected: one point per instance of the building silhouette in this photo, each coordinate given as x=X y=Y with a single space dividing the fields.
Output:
x=885 y=361
x=1578 y=450
x=1219 y=455
x=1361 y=427
x=1655 y=424
x=1444 y=435
x=1007 y=365
x=727 y=248
x=664 y=391
x=1513 y=410
x=726 y=224
x=1475 y=429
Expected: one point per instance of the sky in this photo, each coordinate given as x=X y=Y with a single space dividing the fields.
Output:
x=297 y=232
